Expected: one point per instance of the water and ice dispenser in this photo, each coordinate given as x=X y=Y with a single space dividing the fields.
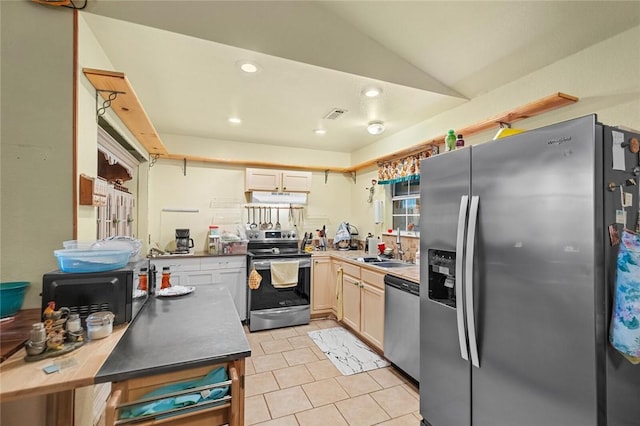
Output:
x=442 y=277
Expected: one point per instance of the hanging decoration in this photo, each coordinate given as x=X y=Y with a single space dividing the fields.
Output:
x=403 y=169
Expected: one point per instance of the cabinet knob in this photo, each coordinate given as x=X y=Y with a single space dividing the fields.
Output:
x=284 y=189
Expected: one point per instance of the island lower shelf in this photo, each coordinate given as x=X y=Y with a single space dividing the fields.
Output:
x=226 y=408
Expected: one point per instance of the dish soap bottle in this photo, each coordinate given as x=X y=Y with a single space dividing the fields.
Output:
x=450 y=141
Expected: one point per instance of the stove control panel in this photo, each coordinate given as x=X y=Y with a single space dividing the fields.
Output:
x=271 y=234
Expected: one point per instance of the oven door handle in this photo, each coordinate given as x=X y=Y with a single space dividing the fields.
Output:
x=266 y=264
x=261 y=266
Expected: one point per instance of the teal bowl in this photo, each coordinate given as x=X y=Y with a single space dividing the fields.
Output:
x=11 y=297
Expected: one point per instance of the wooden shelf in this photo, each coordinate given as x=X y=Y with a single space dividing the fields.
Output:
x=551 y=102
x=127 y=107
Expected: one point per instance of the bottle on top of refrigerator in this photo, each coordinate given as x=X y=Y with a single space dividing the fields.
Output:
x=459 y=142
x=450 y=141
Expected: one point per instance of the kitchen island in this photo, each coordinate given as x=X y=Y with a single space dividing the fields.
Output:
x=171 y=340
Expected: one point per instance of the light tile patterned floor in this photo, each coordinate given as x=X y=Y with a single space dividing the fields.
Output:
x=291 y=382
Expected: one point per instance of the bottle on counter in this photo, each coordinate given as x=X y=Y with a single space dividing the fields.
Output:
x=450 y=141
x=459 y=142
x=142 y=279
x=166 y=277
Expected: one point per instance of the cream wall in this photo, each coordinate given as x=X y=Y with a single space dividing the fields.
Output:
x=36 y=206
x=216 y=193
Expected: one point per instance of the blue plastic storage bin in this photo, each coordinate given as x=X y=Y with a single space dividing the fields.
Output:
x=91 y=260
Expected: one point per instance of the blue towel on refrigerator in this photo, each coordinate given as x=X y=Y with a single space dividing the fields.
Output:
x=625 y=322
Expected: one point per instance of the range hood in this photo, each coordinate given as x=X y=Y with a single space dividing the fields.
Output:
x=279 y=197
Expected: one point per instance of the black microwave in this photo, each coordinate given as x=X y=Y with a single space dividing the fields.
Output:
x=87 y=293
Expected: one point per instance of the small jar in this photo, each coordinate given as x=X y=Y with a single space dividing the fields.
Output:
x=73 y=323
x=99 y=325
x=166 y=277
x=142 y=280
x=38 y=333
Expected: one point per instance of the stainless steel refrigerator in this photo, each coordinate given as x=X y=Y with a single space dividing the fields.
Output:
x=517 y=259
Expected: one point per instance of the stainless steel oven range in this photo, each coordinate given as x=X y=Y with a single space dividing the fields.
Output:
x=274 y=304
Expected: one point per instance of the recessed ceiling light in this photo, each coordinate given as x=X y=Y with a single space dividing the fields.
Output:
x=235 y=120
x=372 y=92
x=375 y=127
x=248 y=67
x=319 y=131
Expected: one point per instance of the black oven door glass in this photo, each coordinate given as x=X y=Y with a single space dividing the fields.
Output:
x=267 y=296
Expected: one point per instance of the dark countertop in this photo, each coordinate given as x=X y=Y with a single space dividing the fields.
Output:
x=172 y=334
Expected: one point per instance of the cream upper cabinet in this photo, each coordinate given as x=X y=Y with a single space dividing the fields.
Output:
x=277 y=180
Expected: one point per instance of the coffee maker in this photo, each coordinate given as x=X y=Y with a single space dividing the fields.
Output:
x=183 y=242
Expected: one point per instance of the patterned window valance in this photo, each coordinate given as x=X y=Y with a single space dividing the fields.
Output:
x=403 y=169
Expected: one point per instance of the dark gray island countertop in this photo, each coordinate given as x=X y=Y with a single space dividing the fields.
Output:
x=177 y=333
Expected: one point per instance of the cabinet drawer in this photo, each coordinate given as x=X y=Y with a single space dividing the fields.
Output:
x=373 y=278
x=177 y=265
x=350 y=269
x=225 y=262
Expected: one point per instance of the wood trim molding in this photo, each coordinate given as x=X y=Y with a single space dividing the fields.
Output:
x=128 y=108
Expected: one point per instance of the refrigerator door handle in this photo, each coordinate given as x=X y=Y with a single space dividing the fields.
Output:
x=462 y=332
x=469 y=308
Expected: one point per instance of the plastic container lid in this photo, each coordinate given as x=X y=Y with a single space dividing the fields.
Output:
x=100 y=318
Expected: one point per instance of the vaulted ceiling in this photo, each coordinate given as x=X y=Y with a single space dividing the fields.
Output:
x=182 y=57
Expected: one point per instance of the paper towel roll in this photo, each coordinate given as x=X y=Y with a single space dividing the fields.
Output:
x=378 y=211
x=373 y=246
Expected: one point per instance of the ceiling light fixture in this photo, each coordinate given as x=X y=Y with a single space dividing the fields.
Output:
x=375 y=127
x=319 y=131
x=248 y=67
x=234 y=120
x=372 y=92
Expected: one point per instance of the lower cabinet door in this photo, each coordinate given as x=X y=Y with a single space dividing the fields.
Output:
x=351 y=301
x=372 y=314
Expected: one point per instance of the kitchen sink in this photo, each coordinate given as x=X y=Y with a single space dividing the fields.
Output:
x=392 y=264
x=383 y=263
x=369 y=259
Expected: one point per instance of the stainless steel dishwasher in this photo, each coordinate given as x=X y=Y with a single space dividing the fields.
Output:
x=402 y=324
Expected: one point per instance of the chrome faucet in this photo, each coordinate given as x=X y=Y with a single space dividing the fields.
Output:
x=399 y=251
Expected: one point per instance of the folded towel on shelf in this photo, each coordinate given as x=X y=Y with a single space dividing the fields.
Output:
x=284 y=274
x=161 y=405
x=625 y=319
